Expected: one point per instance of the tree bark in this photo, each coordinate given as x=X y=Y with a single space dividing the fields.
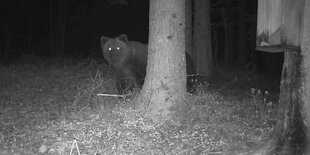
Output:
x=165 y=81
x=189 y=28
x=202 y=37
x=305 y=71
x=289 y=133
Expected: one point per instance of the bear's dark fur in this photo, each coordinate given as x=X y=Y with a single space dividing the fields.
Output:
x=129 y=59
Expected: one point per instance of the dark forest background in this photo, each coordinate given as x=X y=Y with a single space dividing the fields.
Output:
x=71 y=29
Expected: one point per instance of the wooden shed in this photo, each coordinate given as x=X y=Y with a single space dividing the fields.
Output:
x=279 y=25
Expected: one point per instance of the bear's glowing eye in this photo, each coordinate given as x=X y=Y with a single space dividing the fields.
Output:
x=118 y=48
x=110 y=49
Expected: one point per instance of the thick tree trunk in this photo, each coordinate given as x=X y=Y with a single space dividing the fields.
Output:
x=305 y=71
x=202 y=37
x=288 y=137
x=289 y=132
x=165 y=81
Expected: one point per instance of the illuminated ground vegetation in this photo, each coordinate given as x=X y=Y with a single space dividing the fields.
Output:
x=52 y=107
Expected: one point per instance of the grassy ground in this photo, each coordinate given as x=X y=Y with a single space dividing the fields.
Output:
x=51 y=107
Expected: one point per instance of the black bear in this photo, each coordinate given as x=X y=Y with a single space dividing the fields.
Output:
x=128 y=59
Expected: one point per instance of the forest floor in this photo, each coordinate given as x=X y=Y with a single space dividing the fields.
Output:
x=51 y=107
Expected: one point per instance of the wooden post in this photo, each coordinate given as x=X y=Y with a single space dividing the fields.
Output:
x=289 y=132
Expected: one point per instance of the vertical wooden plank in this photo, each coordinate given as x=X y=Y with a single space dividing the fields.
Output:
x=292 y=20
x=269 y=22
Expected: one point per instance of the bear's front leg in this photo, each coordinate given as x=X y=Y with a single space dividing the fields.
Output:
x=126 y=81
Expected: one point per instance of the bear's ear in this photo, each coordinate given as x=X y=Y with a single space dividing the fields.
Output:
x=123 y=37
x=103 y=40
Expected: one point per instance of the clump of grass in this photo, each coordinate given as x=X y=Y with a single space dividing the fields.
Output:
x=261 y=101
x=199 y=87
x=263 y=105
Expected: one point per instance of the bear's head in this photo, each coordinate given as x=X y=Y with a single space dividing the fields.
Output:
x=115 y=50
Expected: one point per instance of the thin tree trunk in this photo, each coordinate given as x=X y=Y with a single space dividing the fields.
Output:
x=242 y=52
x=202 y=37
x=228 y=31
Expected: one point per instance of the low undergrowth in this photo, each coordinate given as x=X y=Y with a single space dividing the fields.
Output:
x=52 y=107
